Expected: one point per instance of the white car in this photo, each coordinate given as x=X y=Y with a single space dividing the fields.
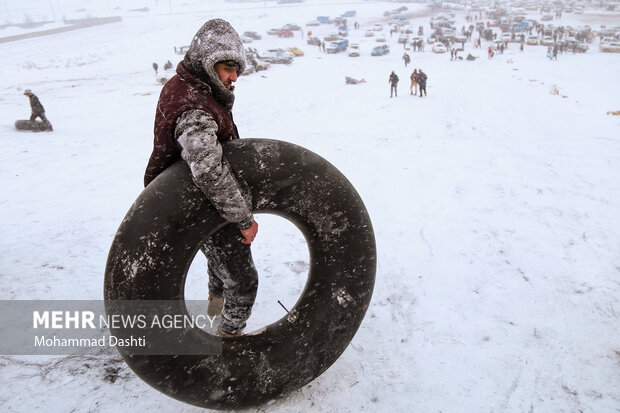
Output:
x=506 y=36
x=533 y=40
x=611 y=47
x=369 y=33
x=277 y=56
x=377 y=27
x=354 y=50
x=439 y=48
x=547 y=41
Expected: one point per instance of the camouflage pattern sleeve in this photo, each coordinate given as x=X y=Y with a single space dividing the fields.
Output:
x=196 y=133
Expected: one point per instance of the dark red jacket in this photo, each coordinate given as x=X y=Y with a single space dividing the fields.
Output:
x=183 y=92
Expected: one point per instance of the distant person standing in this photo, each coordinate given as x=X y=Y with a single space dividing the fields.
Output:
x=414 y=82
x=155 y=67
x=393 y=81
x=406 y=58
x=421 y=78
x=37 y=110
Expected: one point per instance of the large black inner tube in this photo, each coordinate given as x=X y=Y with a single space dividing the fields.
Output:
x=163 y=230
x=33 y=125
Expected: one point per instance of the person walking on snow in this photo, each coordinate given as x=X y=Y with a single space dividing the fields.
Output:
x=393 y=81
x=192 y=119
x=421 y=78
x=36 y=108
x=406 y=58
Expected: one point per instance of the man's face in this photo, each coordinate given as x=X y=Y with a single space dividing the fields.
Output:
x=226 y=72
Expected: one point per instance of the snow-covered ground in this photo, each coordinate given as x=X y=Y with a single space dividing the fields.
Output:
x=495 y=204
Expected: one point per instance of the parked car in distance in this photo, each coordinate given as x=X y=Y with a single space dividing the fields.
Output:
x=611 y=47
x=261 y=65
x=380 y=39
x=337 y=46
x=533 y=40
x=277 y=56
x=403 y=38
x=572 y=44
x=295 y=51
x=252 y=35
x=439 y=48
x=369 y=33
x=547 y=41
x=380 y=50
x=354 y=50
x=460 y=38
x=285 y=33
x=313 y=23
x=281 y=52
x=506 y=36
x=377 y=27
x=291 y=26
x=546 y=17
x=331 y=37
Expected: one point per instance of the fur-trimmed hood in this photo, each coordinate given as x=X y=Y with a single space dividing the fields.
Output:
x=216 y=41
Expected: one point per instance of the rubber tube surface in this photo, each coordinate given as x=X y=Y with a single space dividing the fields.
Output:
x=160 y=235
x=33 y=126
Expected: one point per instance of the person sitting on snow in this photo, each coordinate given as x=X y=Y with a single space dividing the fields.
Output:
x=193 y=118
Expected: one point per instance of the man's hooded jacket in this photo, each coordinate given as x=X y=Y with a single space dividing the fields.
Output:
x=194 y=115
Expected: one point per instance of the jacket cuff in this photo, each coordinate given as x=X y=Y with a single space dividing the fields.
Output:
x=245 y=224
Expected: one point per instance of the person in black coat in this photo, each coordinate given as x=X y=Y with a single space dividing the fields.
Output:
x=393 y=81
x=37 y=108
x=422 y=81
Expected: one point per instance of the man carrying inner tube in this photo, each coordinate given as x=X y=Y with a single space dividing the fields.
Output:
x=193 y=116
